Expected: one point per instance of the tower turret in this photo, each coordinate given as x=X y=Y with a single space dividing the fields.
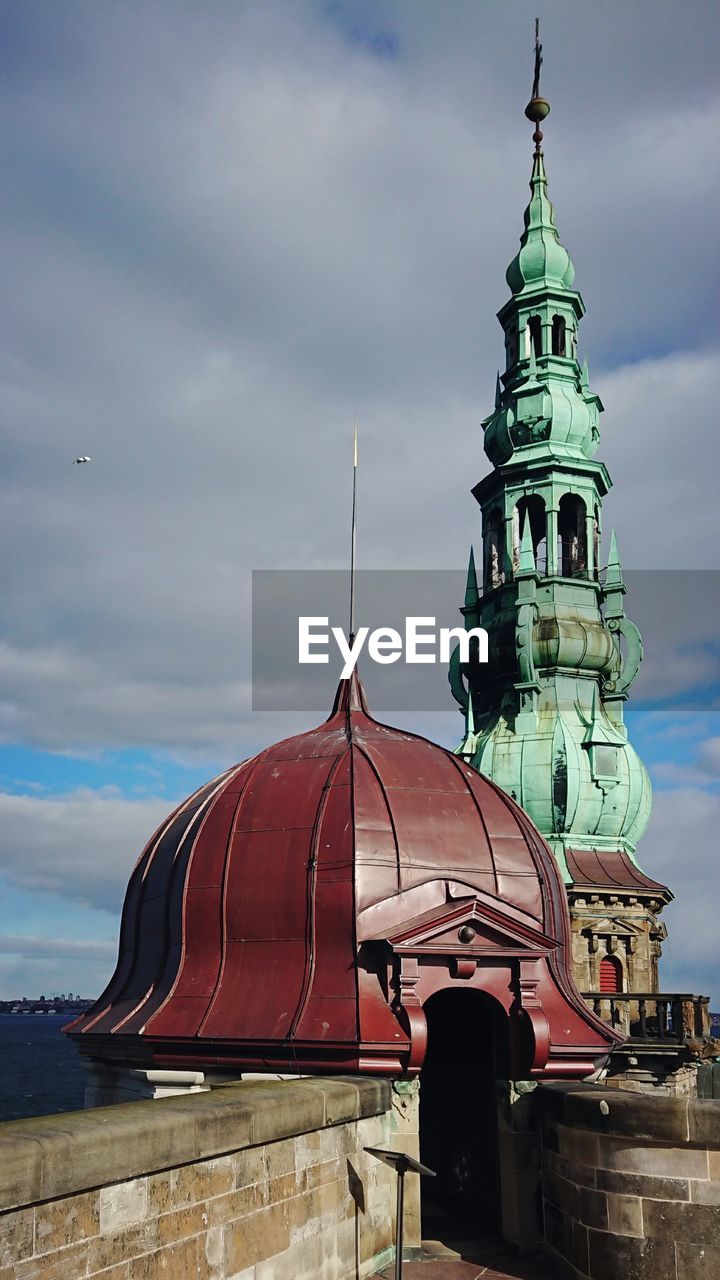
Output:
x=544 y=718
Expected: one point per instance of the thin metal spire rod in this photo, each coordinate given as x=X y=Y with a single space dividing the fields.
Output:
x=353 y=534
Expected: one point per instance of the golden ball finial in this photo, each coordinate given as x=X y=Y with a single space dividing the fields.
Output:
x=537 y=109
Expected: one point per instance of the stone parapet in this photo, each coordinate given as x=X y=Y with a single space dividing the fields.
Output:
x=631 y=1183
x=264 y=1181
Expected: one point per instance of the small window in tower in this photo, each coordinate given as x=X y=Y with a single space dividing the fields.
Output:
x=572 y=536
x=610 y=975
x=535 y=335
x=558 y=336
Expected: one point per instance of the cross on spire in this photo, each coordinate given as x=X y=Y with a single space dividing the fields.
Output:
x=537 y=108
x=538 y=60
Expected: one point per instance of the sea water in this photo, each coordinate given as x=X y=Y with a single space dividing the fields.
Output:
x=41 y=1071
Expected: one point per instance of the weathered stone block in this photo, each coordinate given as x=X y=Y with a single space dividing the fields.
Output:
x=644 y=1116
x=666 y=1162
x=328 y=1171
x=181 y=1261
x=696 y=1223
x=258 y=1236
x=108 y=1251
x=704 y=1122
x=202 y=1180
x=341 y=1099
x=625 y=1215
x=16 y=1236
x=614 y=1256
x=250 y=1164
x=581 y=1174
x=191 y=1220
x=558 y=1230
x=66 y=1264
x=280 y=1158
x=559 y=1191
x=639 y=1184
x=578 y=1146
x=20 y=1167
x=286 y=1109
x=66 y=1221
x=591 y=1208
x=235 y=1204
x=122 y=1205
x=705 y=1192
x=697 y=1262
x=580 y=1254
x=215 y=1252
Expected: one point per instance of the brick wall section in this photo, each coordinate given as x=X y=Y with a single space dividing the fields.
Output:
x=631 y=1183
x=250 y=1181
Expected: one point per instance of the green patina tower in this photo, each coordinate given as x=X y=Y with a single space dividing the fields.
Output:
x=544 y=718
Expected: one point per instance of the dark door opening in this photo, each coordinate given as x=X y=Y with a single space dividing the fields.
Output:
x=458 y=1116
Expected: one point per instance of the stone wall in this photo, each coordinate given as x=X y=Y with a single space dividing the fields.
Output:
x=250 y=1181
x=631 y=1183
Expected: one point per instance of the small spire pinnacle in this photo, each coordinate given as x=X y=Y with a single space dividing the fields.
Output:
x=471 y=586
x=498 y=391
x=537 y=108
x=613 y=576
x=527 y=553
x=353 y=534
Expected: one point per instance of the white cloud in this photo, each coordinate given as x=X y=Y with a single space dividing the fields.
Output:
x=680 y=849
x=80 y=847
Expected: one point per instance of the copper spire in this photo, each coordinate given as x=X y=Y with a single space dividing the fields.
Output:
x=537 y=108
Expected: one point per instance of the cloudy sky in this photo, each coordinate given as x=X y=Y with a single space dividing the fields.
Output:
x=229 y=228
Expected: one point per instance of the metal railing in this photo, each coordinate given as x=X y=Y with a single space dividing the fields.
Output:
x=647 y=1017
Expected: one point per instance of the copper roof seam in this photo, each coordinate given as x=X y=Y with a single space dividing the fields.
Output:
x=383 y=792
x=254 y=765
x=311 y=885
x=224 y=780
x=128 y=927
x=197 y=817
x=471 y=789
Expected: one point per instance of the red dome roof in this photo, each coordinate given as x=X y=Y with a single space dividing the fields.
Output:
x=298 y=910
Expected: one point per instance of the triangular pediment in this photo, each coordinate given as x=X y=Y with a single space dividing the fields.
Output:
x=619 y=928
x=468 y=928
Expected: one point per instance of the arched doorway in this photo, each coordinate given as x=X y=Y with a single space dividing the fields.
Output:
x=466 y=1053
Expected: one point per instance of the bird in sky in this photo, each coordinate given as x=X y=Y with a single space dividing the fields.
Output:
x=78 y=461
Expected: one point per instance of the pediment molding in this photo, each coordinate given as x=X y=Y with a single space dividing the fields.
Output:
x=489 y=933
x=618 y=928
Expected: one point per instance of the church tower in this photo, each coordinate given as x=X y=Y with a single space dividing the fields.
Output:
x=544 y=717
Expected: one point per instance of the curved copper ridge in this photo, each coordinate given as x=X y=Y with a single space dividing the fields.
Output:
x=297 y=912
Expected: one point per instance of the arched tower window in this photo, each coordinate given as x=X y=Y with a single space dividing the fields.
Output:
x=610 y=975
x=559 y=346
x=572 y=539
x=494 y=569
x=531 y=508
x=533 y=336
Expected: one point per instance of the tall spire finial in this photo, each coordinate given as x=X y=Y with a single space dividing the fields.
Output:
x=537 y=108
x=353 y=534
